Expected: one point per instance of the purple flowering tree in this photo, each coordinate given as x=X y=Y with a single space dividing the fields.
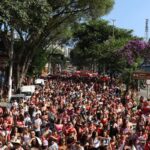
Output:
x=134 y=53
x=133 y=50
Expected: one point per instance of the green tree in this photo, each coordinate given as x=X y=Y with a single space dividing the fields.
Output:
x=53 y=56
x=38 y=63
x=95 y=44
x=108 y=55
x=135 y=53
x=40 y=22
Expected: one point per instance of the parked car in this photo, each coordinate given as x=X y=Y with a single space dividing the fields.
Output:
x=28 y=90
x=39 y=82
x=18 y=97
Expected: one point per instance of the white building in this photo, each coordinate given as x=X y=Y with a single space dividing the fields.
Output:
x=67 y=52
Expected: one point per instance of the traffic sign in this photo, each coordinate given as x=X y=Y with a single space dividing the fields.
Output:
x=141 y=75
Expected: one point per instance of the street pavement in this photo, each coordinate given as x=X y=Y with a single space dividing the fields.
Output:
x=145 y=93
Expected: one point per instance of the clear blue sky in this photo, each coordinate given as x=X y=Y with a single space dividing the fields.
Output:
x=131 y=14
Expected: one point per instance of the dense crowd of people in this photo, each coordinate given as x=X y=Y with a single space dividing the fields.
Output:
x=76 y=115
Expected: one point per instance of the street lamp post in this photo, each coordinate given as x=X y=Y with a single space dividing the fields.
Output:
x=113 y=20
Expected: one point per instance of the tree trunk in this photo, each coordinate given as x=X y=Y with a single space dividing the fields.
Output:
x=21 y=69
x=11 y=65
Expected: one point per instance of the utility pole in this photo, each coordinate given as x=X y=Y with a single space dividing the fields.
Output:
x=11 y=64
x=113 y=20
x=146 y=29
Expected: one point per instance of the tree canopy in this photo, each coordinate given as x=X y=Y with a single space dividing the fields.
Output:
x=133 y=50
x=95 y=44
x=38 y=23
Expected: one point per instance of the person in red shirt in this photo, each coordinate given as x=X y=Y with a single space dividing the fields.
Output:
x=71 y=130
x=147 y=145
x=100 y=129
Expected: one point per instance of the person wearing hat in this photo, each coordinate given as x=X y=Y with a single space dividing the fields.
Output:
x=17 y=145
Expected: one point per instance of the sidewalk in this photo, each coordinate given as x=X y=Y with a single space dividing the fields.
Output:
x=144 y=93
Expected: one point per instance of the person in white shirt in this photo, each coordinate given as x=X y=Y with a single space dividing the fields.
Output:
x=15 y=104
x=27 y=119
x=36 y=111
x=26 y=107
x=37 y=124
x=53 y=146
x=95 y=141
